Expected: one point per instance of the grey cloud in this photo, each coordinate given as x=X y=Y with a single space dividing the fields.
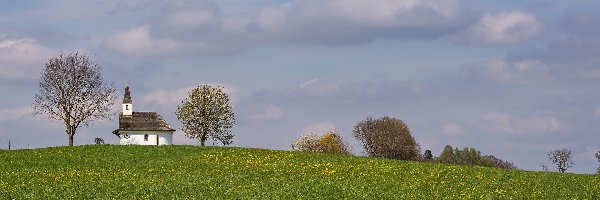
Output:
x=20 y=57
x=127 y=6
x=584 y=23
x=509 y=27
x=353 y=21
x=579 y=49
x=517 y=72
x=572 y=57
x=331 y=91
x=567 y=59
x=199 y=27
x=187 y=19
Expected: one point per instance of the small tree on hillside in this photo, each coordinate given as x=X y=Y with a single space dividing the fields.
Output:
x=206 y=113
x=562 y=159
x=330 y=142
x=387 y=137
x=71 y=90
x=447 y=156
x=427 y=155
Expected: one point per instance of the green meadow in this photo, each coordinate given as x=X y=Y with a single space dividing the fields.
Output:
x=192 y=172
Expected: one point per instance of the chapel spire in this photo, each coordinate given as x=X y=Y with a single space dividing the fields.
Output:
x=127 y=105
x=127 y=97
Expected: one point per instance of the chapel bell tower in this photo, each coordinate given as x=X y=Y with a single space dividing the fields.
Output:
x=127 y=107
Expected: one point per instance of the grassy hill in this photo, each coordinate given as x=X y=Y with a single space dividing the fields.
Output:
x=161 y=172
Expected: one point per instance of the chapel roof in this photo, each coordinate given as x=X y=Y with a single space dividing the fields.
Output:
x=143 y=121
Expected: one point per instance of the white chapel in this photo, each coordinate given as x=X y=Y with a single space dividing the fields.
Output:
x=142 y=128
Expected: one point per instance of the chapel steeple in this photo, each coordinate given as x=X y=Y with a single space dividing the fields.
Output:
x=127 y=104
x=127 y=97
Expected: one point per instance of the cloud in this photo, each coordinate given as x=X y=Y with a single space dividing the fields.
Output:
x=200 y=28
x=21 y=57
x=307 y=83
x=536 y=124
x=573 y=55
x=319 y=128
x=499 y=122
x=168 y=98
x=314 y=87
x=138 y=42
x=517 y=72
x=452 y=129
x=507 y=27
x=182 y=28
x=356 y=21
x=164 y=97
x=270 y=112
x=597 y=112
x=568 y=58
x=337 y=88
x=15 y=113
x=581 y=23
x=185 y=19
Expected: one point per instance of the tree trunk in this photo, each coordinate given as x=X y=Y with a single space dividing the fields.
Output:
x=203 y=139
x=70 y=133
x=71 y=140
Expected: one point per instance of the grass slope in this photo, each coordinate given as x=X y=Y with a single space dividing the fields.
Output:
x=183 y=172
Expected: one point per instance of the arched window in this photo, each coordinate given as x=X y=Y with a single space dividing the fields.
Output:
x=146 y=137
x=126 y=107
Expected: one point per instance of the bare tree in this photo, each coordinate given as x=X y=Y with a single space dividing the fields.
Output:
x=71 y=90
x=562 y=159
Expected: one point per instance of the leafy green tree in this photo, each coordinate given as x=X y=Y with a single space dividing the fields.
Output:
x=562 y=159
x=387 y=137
x=206 y=113
x=447 y=156
x=71 y=90
x=330 y=142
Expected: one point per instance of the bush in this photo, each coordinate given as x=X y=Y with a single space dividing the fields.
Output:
x=466 y=156
x=387 y=137
x=330 y=142
x=427 y=156
x=499 y=162
x=470 y=156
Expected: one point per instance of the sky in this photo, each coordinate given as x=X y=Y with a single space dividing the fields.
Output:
x=514 y=79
